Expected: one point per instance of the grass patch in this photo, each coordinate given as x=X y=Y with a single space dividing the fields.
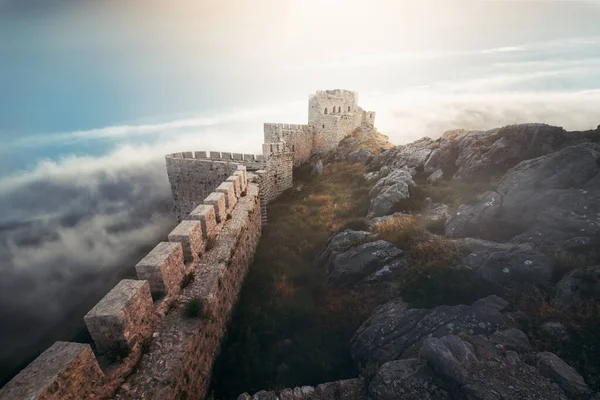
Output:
x=288 y=328
x=582 y=321
x=432 y=277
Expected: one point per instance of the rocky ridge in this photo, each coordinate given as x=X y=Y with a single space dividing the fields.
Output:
x=544 y=200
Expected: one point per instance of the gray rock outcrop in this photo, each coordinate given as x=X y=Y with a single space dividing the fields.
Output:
x=390 y=191
x=395 y=331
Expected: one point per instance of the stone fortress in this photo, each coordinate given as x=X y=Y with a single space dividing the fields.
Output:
x=157 y=337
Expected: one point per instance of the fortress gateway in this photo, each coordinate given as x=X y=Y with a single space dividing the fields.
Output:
x=157 y=337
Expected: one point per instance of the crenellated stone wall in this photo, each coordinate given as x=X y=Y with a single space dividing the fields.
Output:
x=150 y=344
x=157 y=337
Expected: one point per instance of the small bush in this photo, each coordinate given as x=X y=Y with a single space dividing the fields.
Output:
x=194 y=309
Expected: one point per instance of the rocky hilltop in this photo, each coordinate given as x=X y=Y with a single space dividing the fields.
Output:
x=487 y=245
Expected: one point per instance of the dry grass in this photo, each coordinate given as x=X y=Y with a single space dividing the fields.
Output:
x=582 y=321
x=374 y=143
x=288 y=328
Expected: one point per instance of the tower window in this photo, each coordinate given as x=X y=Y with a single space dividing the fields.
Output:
x=325 y=110
x=323 y=126
x=348 y=108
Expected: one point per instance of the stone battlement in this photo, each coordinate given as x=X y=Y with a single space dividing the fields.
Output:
x=203 y=263
x=157 y=337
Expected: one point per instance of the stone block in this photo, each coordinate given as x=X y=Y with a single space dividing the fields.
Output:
x=215 y=154
x=237 y=184
x=187 y=154
x=189 y=234
x=200 y=155
x=243 y=182
x=217 y=200
x=228 y=189
x=163 y=268
x=123 y=318
x=63 y=371
x=207 y=217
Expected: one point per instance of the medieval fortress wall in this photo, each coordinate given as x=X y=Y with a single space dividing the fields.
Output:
x=157 y=337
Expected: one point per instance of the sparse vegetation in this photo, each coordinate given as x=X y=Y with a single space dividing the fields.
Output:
x=582 y=321
x=289 y=328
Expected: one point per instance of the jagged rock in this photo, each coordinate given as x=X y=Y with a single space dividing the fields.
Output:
x=443 y=362
x=340 y=242
x=360 y=262
x=389 y=191
x=412 y=155
x=517 y=267
x=476 y=218
x=467 y=367
x=404 y=379
x=559 y=191
x=359 y=156
x=512 y=339
x=478 y=155
x=551 y=366
x=577 y=285
x=482 y=249
x=436 y=175
x=317 y=169
x=395 y=331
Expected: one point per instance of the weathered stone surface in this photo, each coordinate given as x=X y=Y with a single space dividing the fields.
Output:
x=395 y=331
x=357 y=263
x=163 y=268
x=556 y=332
x=340 y=242
x=389 y=191
x=349 y=389
x=236 y=180
x=207 y=217
x=512 y=339
x=413 y=155
x=479 y=155
x=217 y=200
x=189 y=234
x=517 y=267
x=123 y=318
x=65 y=371
x=551 y=366
x=476 y=218
x=577 y=285
x=228 y=189
x=181 y=356
x=466 y=367
x=359 y=156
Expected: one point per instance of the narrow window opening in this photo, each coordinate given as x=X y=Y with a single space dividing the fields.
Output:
x=348 y=108
x=325 y=110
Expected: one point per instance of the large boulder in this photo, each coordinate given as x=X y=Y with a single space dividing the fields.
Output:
x=478 y=367
x=477 y=218
x=359 y=156
x=340 y=242
x=413 y=155
x=580 y=284
x=347 y=264
x=551 y=366
x=507 y=268
x=552 y=202
x=390 y=191
x=395 y=331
